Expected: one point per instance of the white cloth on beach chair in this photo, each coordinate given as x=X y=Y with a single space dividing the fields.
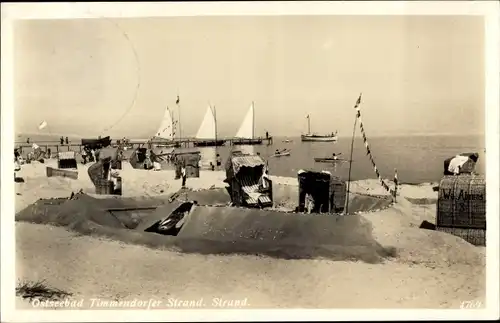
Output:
x=456 y=163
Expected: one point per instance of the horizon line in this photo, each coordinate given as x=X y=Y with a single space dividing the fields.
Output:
x=278 y=136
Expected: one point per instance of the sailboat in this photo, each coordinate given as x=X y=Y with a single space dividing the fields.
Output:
x=207 y=133
x=316 y=137
x=246 y=132
x=166 y=131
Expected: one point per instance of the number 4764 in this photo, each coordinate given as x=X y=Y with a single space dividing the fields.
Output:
x=471 y=304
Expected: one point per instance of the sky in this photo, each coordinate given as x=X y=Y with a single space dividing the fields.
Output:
x=89 y=77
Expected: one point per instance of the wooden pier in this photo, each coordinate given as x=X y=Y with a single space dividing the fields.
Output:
x=56 y=146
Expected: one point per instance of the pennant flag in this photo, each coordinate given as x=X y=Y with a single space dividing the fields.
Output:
x=369 y=153
x=178 y=100
x=307 y=117
x=42 y=125
x=359 y=100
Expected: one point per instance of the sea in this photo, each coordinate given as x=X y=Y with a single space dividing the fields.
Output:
x=417 y=159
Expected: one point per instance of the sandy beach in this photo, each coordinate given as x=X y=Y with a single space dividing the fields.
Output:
x=431 y=269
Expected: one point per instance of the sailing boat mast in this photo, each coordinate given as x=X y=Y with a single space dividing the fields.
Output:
x=308 y=124
x=179 y=111
x=215 y=119
x=253 y=121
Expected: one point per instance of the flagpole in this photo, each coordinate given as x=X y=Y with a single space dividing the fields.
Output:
x=395 y=184
x=350 y=158
x=350 y=164
x=179 y=110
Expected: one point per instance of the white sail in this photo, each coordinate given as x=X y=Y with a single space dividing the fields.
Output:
x=208 y=128
x=246 y=130
x=166 y=129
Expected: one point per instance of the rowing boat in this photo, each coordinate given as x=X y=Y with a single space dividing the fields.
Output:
x=281 y=154
x=329 y=160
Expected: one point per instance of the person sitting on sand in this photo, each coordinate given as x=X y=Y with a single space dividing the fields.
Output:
x=212 y=166
x=219 y=162
x=156 y=166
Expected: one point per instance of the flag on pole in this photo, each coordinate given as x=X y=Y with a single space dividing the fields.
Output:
x=42 y=125
x=359 y=100
x=178 y=100
x=396 y=177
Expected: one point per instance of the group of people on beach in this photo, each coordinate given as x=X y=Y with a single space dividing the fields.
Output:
x=218 y=162
x=90 y=155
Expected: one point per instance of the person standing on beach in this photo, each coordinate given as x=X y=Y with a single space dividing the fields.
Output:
x=28 y=140
x=84 y=155
x=61 y=140
x=184 y=175
x=67 y=141
x=219 y=162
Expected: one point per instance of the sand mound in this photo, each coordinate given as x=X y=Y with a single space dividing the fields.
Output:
x=218 y=229
x=68 y=213
x=360 y=203
x=249 y=230
x=286 y=197
x=422 y=200
x=399 y=226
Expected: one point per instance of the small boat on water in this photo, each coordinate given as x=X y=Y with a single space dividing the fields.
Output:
x=329 y=160
x=281 y=153
x=316 y=137
x=287 y=141
x=333 y=159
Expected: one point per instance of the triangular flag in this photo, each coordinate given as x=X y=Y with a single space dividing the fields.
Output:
x=42 y=125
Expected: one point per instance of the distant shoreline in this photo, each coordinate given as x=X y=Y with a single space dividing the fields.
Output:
x=48 y=137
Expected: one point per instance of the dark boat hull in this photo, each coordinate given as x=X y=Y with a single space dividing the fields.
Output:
x=209 y=143
x=167 y=145
x=318 y=138
x=97 y=143
x=328 y=160
x=247 y=141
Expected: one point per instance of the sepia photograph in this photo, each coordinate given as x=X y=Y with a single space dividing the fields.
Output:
x=177 y=157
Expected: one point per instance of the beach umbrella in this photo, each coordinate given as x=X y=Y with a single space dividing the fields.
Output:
x=464 y=163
